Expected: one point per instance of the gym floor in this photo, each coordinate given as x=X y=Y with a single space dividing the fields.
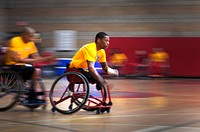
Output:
x=139 y=105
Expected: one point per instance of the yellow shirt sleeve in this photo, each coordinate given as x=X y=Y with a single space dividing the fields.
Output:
x=102 y=56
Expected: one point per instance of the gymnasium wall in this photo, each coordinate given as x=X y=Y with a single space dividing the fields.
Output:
x=175 y=21
x=119 y=18
x=184 y=52
x=3 y=20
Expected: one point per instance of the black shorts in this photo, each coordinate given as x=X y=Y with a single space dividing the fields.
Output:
x=88 y=76
x=91 y=79
x=26 y=72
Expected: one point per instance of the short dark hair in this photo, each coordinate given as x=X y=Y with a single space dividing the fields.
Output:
x=100 y=35
x=27 y=30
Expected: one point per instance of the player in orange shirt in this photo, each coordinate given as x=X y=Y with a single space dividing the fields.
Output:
x=22 y=53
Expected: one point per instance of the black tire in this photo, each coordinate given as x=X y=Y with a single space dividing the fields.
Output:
x=11 y=85
x=66 y=90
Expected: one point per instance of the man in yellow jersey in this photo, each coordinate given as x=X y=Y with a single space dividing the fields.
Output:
x=21 y=53
x=86 y=57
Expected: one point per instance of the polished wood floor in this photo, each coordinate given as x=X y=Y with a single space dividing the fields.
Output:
x=139 y=105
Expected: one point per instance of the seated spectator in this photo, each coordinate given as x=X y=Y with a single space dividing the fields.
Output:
x=118 y=60
x=159 y=63
x=141 y=65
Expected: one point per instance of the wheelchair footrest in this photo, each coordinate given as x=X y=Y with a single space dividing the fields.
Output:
x=102 y=110
x=102 y=105
x=33 y=102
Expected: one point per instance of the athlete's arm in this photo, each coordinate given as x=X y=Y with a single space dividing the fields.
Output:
x=38 y=58
x=35 y=58
x=95 y=74
x=104 y=66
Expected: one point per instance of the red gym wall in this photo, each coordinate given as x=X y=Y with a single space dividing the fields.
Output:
x=184 y=52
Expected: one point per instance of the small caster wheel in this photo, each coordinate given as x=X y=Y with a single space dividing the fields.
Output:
x=44 y=107
x=110 y=103
x=53 y=109
x=108 y=110
x=104 y=104
x=31 y=109
x=98 y=111
x=70 y=106
x=103 y=110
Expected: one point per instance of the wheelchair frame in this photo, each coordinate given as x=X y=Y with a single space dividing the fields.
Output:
x=71 y=92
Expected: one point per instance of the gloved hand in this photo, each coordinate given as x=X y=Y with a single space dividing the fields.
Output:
x=113 y=71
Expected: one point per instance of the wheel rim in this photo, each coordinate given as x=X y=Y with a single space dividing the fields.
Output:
x=64 y=93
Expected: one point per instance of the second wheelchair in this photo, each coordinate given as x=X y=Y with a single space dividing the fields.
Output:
x=15 y=90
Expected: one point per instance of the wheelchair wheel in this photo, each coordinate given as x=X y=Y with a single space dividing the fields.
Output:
x=10 y=89
x=67 y=90
x=40 y=93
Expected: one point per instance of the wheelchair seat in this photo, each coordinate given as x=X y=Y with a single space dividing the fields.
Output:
x=74 y=78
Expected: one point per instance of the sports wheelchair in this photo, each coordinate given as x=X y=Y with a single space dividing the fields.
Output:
x=71 y=92
x=15 y=90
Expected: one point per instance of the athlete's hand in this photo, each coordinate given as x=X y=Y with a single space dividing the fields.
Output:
x=114 y=72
